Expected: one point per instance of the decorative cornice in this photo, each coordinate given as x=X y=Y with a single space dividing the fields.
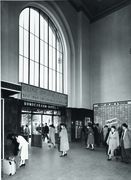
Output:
x=93 y=18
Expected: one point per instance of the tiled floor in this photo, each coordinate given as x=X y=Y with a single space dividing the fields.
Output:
x=80 y=164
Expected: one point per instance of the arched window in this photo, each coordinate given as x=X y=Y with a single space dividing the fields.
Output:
x=41 y=55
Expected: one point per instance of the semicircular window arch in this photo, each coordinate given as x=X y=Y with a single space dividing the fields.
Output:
x=41 y=55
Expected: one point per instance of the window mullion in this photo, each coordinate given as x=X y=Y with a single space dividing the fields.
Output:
x=56 y=62
x=62 y=73
x=34 y=54
x=39 y=53
x=23 y=54
x=29 y=51
x=48 y=57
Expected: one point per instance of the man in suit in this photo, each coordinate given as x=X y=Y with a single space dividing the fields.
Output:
x=126 y=144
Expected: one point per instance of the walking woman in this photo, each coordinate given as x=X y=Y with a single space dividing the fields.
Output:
x=90 y=139
x=64 y=143
x=113 y=142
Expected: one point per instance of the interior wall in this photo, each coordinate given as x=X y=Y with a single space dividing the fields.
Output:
x=111 y=58
x=76 y=37
x=83 y=63
x=12 y=120
x=9 y=43
x=85 y=68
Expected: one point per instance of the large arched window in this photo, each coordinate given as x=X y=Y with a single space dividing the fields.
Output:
x=41 y=54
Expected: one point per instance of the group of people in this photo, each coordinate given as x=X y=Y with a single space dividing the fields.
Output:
x=63 y=138
x=119 y=139
x=21 y=144
x=114 y=139
x=48 y=134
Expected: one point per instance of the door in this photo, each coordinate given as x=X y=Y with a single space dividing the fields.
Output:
x=26 y=126
x=36 y=130
x=31 y=128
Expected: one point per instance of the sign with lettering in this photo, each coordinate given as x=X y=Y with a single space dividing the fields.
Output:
x=111 y=121
x=43 y=95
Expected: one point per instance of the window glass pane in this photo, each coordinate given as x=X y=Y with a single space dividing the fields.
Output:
x=21 y=17
x=43 y=28
x=59 y=45
x=41 y=52
x=50 y=36
x=53 y=39
x=59 y=62
x=54 y=81
x=25 y=43
x=50 y=79
x=36 y=49
x=32 y=21
x=50 y=57
x=45 y=54
x=36 y=15
x=36 y=73
x=54 y=59
x=41 y=76
x=59 y=82
x=21 y=41
x=45 y=77
x=32 y=72
x=25 y=70
x=21 y=69
x=32 y=37
x=26 y=19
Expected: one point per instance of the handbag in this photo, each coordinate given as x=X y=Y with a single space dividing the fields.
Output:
x=117 y=151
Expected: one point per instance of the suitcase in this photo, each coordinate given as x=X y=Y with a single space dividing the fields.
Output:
x=9 y=167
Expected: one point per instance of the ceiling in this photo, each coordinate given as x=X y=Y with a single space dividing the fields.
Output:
x=96 y=9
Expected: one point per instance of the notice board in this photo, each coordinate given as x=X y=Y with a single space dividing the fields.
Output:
x=121 y=111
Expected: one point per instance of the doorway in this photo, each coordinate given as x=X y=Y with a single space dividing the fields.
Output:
x=34 y=121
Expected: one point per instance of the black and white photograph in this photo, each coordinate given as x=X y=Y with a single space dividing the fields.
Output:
x=65 y=72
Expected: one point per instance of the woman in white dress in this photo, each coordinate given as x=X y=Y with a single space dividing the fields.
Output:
x=64 y=143
x=23 y=148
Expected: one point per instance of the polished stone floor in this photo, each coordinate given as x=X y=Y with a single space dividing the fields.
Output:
x=80 y=164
